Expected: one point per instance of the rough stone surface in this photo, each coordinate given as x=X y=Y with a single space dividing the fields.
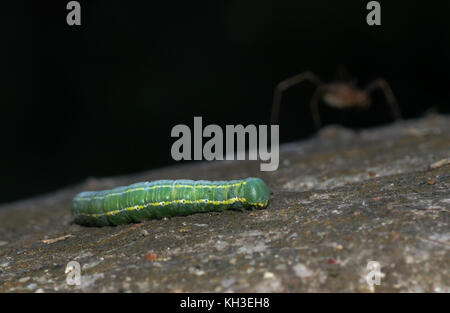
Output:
x=338 y=200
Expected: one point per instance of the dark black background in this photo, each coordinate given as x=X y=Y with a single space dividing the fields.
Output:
x=100 y=99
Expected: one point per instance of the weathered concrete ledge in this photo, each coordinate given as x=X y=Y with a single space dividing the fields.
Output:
x=339 y=200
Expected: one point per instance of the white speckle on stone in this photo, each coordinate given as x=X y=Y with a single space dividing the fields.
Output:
x=269 y=275
x=228 y=282
x=200 y=273
x=442 y=289
x=269 y=285
x=32 y=286
x=90 y=265
x=248 y=249
x=319 y=196
x=302 y=271
x=220 y=245
x=444 y=238
x=24 y=279
x=84 y=254
x=409 y=259
x=201 y=225
x=197 y=272
x=301 y=184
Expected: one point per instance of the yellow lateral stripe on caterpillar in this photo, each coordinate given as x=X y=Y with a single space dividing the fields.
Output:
x=160 y=186
x=164 y=203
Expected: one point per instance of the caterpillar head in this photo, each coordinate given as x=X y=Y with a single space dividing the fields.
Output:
x=256 y=192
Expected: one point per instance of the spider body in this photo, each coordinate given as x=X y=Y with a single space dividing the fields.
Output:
x=342 y=96
x=339 y=95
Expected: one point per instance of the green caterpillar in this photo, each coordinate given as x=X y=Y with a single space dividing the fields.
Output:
x=165 y=198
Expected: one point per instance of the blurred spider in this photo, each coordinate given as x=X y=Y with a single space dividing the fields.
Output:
x=340 y=94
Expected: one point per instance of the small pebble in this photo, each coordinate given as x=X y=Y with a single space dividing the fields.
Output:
x=302 y=271
x=269 y=275
x=31 y=286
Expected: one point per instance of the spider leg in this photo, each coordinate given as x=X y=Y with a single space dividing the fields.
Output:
x=314 y=105
x=286 y=84
x=384 y=86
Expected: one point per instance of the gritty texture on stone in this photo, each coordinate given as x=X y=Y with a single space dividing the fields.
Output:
x=339 y=200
